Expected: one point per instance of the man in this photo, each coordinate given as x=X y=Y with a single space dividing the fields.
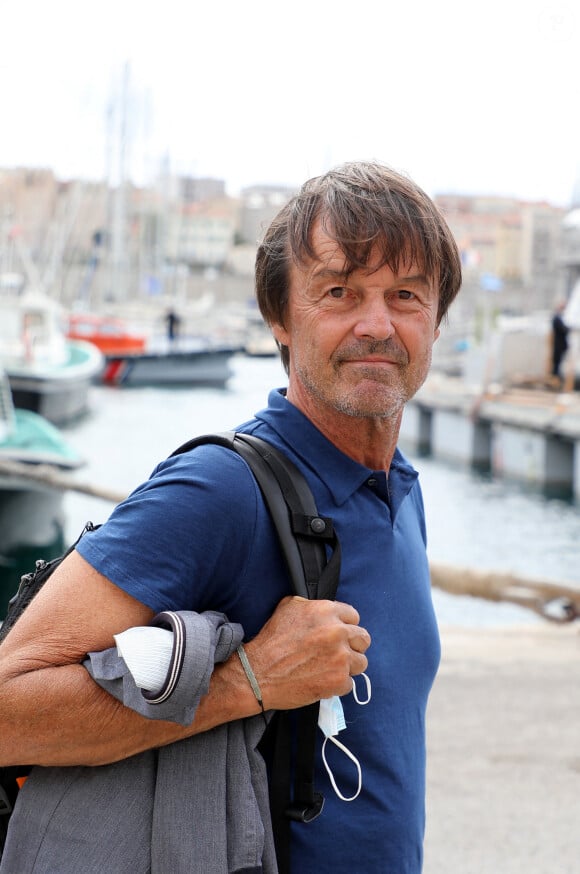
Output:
x=173 y=321
x=354 y=277
x=560 y=333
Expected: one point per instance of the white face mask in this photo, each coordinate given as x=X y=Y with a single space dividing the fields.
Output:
x=331 y=721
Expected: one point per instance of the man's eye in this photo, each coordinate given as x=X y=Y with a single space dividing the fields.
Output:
x=406 y=295
x=337 y=292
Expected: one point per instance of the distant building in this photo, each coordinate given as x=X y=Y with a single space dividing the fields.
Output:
x=571 y=247
x=28 y=199
x=259 y=205
x=541 y=242
x=516 y=243
x=48 y=227
x=193 y=189
x=201 y=234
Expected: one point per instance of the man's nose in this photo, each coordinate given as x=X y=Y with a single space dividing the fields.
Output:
x=374 y=320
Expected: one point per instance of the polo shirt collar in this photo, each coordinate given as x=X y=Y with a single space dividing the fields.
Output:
x=342 y=475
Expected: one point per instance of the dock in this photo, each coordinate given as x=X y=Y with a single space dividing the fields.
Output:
x=529 y=435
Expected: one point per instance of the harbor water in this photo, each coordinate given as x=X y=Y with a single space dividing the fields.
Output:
x=473 y=521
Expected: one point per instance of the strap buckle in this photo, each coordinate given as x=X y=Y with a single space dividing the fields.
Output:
x=305 y=811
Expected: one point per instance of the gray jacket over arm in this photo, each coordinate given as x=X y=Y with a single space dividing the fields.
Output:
x=200 y=804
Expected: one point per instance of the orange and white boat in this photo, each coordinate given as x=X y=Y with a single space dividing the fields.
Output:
x=110 y=335
x=133 y=359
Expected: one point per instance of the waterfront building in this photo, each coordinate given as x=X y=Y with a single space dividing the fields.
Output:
x=516 y=243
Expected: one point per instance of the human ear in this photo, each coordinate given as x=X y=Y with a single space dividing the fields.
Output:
x=280 y=334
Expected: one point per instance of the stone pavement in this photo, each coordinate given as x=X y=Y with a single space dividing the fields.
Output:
x=503 y=778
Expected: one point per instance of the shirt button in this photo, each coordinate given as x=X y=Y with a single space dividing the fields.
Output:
x=372 y=481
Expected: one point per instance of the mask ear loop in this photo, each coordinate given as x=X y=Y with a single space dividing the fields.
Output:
x=355 y=692
x=353 y=758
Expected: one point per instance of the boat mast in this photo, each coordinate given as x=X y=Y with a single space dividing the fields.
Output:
x=118 y=277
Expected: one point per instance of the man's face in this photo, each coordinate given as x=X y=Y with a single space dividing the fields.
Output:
x=359 y=344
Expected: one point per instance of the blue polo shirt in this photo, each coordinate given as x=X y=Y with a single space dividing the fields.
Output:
x=197 y=536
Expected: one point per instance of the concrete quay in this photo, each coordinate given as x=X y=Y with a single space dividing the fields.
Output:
x=529 y=435
x=503 y=763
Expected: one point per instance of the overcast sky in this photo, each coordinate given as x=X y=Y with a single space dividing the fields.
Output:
x=469 y=97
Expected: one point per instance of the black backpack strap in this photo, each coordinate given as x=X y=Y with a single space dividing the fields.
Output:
x=310 y=530
x=303 y=535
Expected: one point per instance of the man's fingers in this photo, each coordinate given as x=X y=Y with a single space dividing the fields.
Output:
x=360 y=641
x=346 y=612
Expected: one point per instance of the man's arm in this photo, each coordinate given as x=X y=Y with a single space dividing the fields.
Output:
x=53 y=713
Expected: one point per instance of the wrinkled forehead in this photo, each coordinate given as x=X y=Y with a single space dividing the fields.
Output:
x=324 y=246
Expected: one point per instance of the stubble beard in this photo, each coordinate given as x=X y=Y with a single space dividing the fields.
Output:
x=375 y=395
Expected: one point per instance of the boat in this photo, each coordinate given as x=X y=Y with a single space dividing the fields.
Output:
x=109 y=334
x=192 y=364
x=47 y=373
x=142 y=358
x=31 y=510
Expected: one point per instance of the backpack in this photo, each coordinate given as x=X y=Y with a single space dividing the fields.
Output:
x=313 y=571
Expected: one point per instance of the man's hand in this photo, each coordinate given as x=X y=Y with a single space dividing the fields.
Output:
x=306 y=651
